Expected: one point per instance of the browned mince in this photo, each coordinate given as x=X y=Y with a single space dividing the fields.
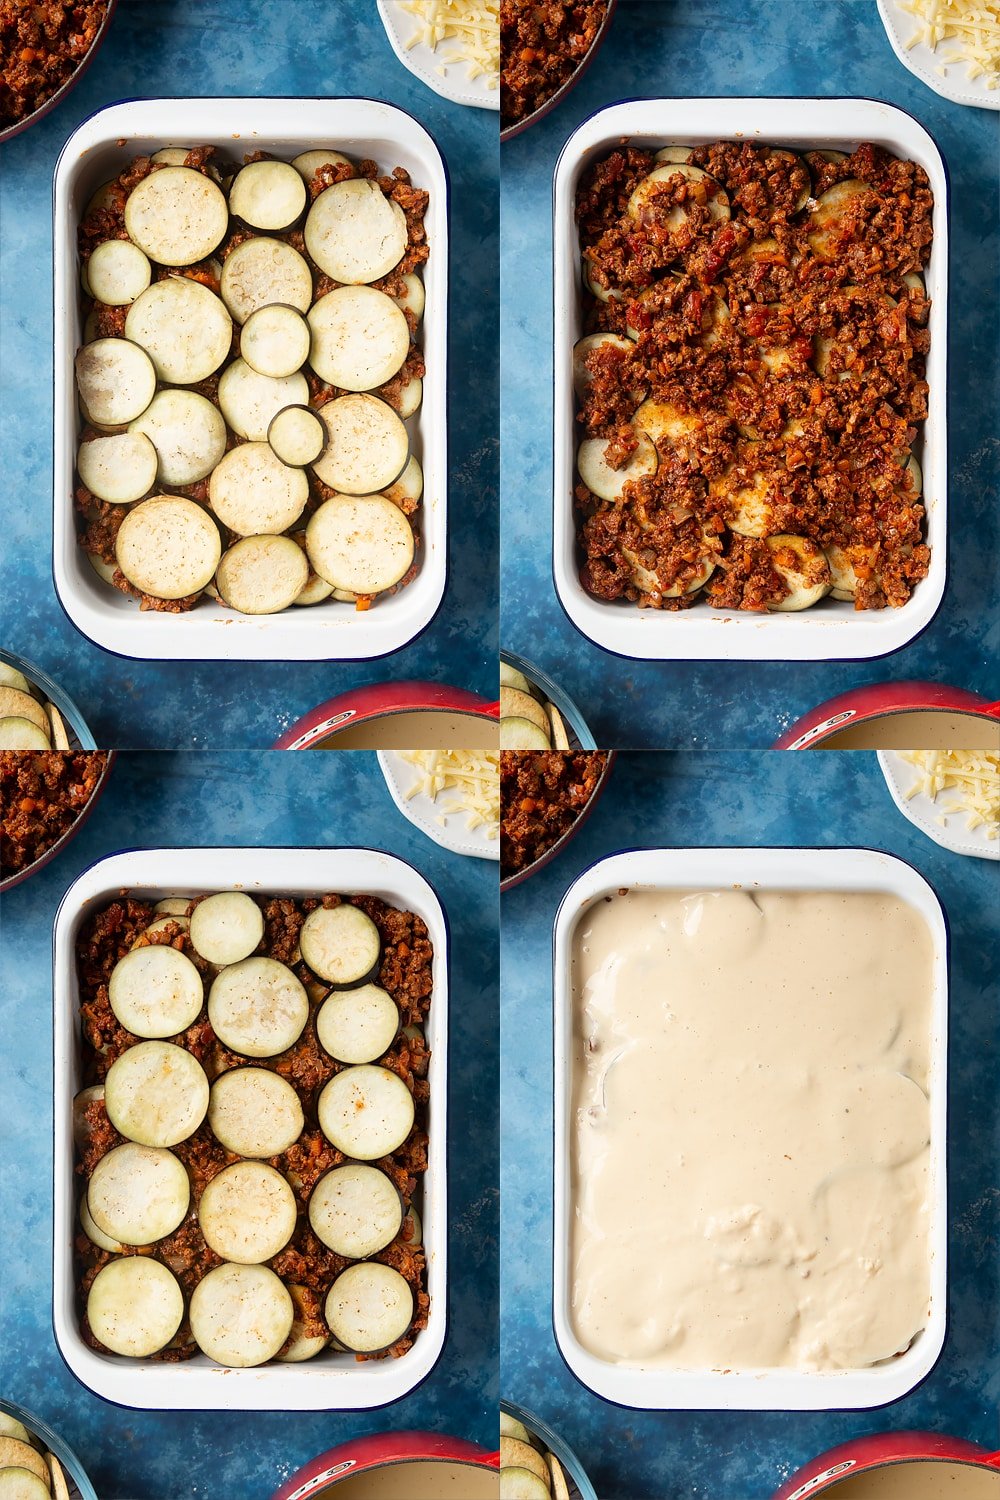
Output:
x=831 y=446
x=542 y=43
x=98 y=521
x=41 y=46
x=542 y=793
x=405 y=972
x=42 y=793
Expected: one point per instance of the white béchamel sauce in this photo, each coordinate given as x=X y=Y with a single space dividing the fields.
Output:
x=418 y=1481
x=751 y=1128
x=932 y=729
x=418 y=730
x=920 y=1481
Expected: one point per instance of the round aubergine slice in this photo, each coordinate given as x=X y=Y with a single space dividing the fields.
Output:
x=186 y=432
x=275 y=341
x=249 y=401
x=361 y=543
x=261 y=272
x=297 y=436
x=268 y=195
x=226 y=927
x=369 y=1307
x=135 y=1306
x=168 y=547
x=117 y=272
x=360 y=338
x=184 y=328
x=177 y=216
x=254 y=494
x=120 y=467
x=305 y=1342
x=340 y=943
x=156 y=1093
x=116 y=379
x=355 y=1210
x=241 y=1315
x=247 y=1213
x=138 y=1194
x=155 y=991
x=262 y=575
x=358 y=1025
x=366 y=1112
x=366 y=444
x=258 y=1007
x=354 y=232
x=802 y=566
x=253 y=1112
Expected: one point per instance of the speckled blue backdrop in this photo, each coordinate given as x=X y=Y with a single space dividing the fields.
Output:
x=730 y=47
x=280 y=47
x=163 y=799
x=684 y=800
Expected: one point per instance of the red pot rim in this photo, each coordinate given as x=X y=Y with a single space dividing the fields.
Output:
x=380 y=1450
x=878 y=1451
x=379 y=700
x=508 y=132
x=881 y=700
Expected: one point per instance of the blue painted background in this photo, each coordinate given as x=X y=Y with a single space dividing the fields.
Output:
x=822 y=798
x=236 y=799
x=682 y=48
x=280 y=47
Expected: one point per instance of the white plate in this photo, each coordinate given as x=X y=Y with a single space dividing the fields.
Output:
x=831 y=630
x=452 y=832
x=99 y=149
x=453 y=81
x=741 y=1389
x=923 y=811
x=328 y=1383
x=923 y=63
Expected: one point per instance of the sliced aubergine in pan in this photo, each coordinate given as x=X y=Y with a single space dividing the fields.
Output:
x=16 y=1453
x=117 y=272
x=183 y=327
x=514 y=703
x=662 y=421
x=249 y=401
x=522 y=734
x=297 y=436
x=645 y=193
x=17 y=733
x=135 y=1306
x=517 y=1483
x=308 y=163
x=360 y=338
x=17 y=704
x=802 y=567
x=604 y=481
x=138 y=1194
x=187 y=434
x=241 y=1315
x=369 y=1307
x=254 y=1112
x=413 y=296
x=275 y=340
x=120 y=467
x=11 y=677
x=366 y=1112
x=519 y=1454
x=262 y=575
x=247 y=1213
x=827 y=220
x=254 y=493
x=340 y=943
x=177 y=216
x=367 y=445
x=358 y=1025
x=303 y=1344
x=97 y=1236
x=226 y=927
x=355 y=233
x=155 y=991
x=156 y=1094
x=60 y=1489
x=17 y=1483
x=262 y=272
x=268 y=195
x=410 y=398
x=168 y=547
x=355 y=1210
x=581 y=375
x=258 y=1007
x=361 y=543
x=116 y=379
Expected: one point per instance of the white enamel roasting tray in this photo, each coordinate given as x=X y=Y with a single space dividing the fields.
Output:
x=831 y=630
x=329 y=1382
x=750 y=869
x=99 y=149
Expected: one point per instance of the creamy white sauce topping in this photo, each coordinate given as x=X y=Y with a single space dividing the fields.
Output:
x=750 y=1129
x=418 y=1481
x=921 y=1481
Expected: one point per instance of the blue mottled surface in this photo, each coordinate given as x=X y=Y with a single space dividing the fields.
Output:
x=683 y=48
x=681 y=799
x=163 y=799
x=281 y=47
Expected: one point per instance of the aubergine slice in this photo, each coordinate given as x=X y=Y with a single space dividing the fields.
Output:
x=226 y=927
x=296 y=436
x=262 y=272
x=275 y=340
x=241 y=1315
x=361 y=543
x=355 y=233
x=255 y=494
x=262 y=575
x=177 y=216
x=369 y=1307
x=355 y=1210
x=247 y=1213
x=117 y=272
x=187 y=434
x=135 y=1306
x=168 y=547
x=268 y=195
x=366 y=1112
x=184 y=328
x=340 y=943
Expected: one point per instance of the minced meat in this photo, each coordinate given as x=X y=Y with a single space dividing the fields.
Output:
x=42 y=793
x=783 y=359
x=41 y=46
x=542 y=793
x=542 y=43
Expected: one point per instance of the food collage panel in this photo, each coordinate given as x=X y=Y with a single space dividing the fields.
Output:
x=554 y=412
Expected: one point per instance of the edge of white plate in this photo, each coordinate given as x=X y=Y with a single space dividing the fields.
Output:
x=423 y=64
x=423 y=813
x=923 y=812
x=923 y=63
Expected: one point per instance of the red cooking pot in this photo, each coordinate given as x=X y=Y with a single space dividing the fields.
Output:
x=883 y=700
x=881 y=1450
x=508 y=132
x=384 y=1450
x=382 y=701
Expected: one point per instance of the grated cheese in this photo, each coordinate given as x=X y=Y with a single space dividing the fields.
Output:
x=473 y=28
x=972 y=25
x=474 y=777
x=974 y=775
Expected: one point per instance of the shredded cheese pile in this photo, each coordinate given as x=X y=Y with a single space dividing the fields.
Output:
x=474 y=777
x=473 y=26
x=974 y=27
x=974 y=775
